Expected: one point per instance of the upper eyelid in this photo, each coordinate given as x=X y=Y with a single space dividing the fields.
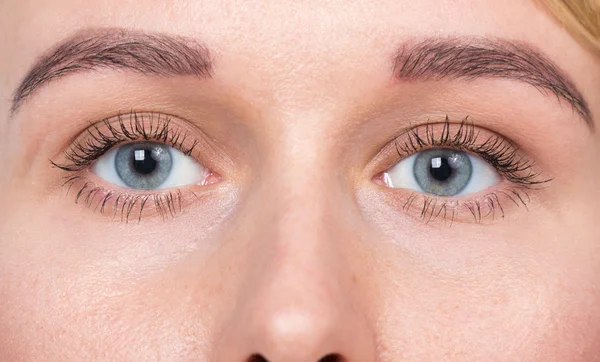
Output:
x=390 y=144
x=135 y=125
x=460 y=138
x=473 y=136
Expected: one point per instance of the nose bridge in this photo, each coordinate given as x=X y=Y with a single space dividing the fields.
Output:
x=302 y=194
x=297 y=303
x=301 y=290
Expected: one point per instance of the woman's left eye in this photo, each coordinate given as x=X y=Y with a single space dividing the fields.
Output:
x=148 y=166
x=442 y=172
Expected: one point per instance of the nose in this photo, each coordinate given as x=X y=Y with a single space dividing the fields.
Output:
x=300 y=300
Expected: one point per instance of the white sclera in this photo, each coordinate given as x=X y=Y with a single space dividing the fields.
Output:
x=401 y=175
x=185 y=170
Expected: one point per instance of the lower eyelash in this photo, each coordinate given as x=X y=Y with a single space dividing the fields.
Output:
x=121 y=205
x=487 y=207
x=497 y=151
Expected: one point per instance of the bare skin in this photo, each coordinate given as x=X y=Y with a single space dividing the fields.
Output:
x=294 y=247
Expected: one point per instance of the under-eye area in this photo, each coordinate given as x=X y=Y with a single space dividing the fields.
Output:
x=137 y=164
x=458 y=172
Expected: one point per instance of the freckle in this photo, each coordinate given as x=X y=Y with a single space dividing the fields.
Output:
x=354 y=279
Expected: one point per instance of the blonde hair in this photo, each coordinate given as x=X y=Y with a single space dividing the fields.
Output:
x=580 y=17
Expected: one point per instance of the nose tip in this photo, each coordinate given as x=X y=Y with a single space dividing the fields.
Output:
x=298 y=334
x=298 y=315
x=298 y=309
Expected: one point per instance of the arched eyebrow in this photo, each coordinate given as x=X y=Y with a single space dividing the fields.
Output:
x=430 y=59
x=114 y=48
x=438 y=59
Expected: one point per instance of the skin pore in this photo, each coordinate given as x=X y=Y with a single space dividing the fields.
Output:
x=293 y=246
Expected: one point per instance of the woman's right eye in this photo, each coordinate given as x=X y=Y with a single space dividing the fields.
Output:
x=148 y=166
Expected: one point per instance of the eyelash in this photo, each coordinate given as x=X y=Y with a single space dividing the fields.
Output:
x=135 y=126
x=496 y=150
x=82 y=153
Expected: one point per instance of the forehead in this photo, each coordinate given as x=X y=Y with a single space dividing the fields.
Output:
x=322 y=28
x=289 y=19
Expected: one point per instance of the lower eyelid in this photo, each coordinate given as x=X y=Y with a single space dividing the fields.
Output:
x=128 y=205
x=485 y=208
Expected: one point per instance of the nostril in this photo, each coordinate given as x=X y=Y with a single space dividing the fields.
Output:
x=328 y=358
x=257 y=358
x=332 y=358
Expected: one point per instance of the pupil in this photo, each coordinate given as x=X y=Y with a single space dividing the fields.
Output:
x=143 y=162
x=440 y=169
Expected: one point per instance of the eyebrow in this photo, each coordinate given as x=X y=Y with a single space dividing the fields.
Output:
x=454 y=58
x=430 y=59
x=118 y=49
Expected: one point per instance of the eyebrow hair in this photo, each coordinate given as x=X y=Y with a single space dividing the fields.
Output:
x=430 y=59
x=453 y=58
x=115 y=48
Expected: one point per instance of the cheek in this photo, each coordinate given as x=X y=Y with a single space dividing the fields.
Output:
x=83 y=313
x=82 y=295
x=428 y=316
x=572 y=329
x=458 y=300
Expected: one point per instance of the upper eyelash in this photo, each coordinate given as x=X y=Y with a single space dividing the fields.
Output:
x=499 y=152
x=129 y=127
x=108 y=133
x=496 y=150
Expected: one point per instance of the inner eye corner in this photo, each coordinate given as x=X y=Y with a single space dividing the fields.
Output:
x=378 y=177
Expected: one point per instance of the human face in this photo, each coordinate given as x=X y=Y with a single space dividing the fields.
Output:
x=318 y=213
